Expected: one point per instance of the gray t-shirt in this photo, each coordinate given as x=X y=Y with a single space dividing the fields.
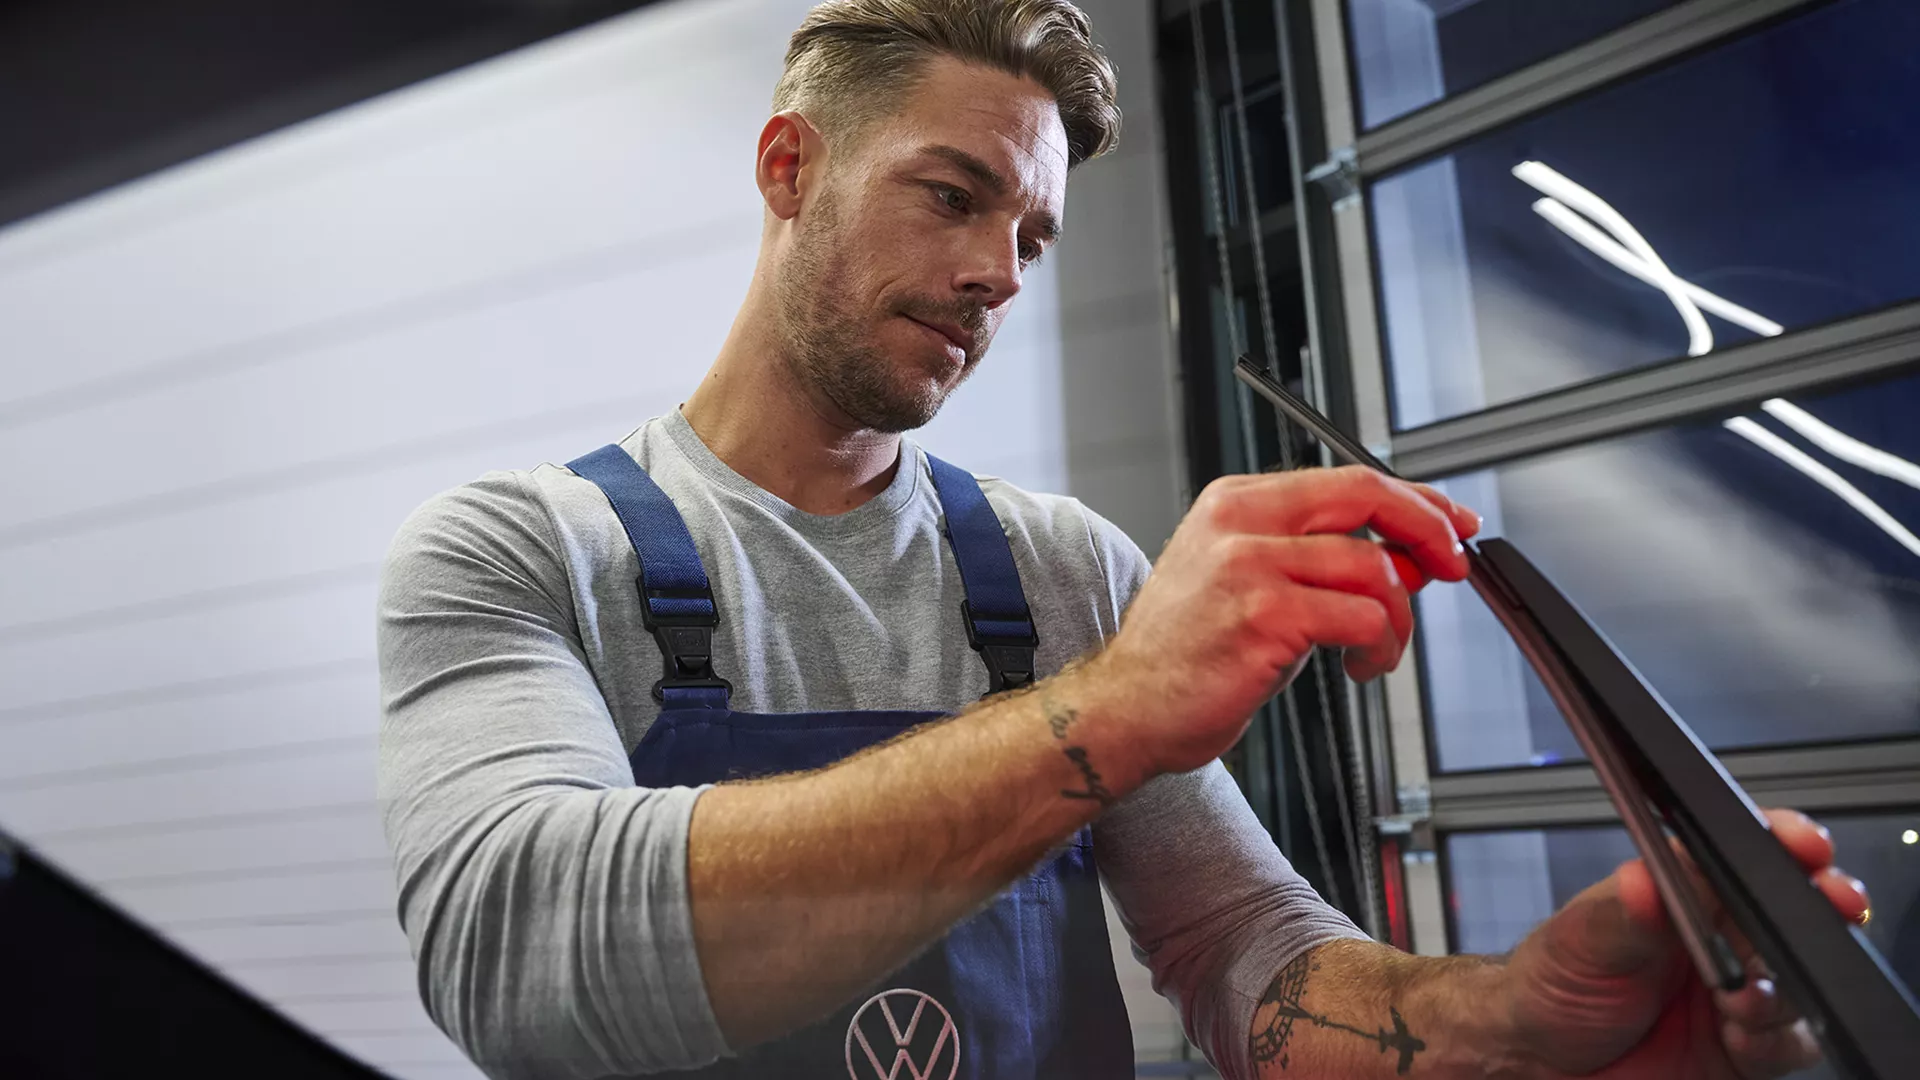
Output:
x=545 y=896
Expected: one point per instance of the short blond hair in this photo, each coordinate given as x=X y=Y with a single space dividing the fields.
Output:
x=851 y=58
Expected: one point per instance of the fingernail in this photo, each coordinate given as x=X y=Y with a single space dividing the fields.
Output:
x=1763 y=987
x=1458 y=548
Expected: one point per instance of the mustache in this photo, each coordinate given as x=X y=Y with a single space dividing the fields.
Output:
x=968 y=316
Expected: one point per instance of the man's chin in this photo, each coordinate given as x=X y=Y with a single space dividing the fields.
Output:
x=910 y=404
x=902 y=416
x=894 y=391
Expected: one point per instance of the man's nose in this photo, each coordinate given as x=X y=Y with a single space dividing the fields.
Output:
x=990 y=274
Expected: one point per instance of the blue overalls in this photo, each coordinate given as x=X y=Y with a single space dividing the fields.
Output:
x=1025 y=988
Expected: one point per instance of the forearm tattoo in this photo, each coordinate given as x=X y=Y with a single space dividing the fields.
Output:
x=1282 y=1006
x=1060 y=720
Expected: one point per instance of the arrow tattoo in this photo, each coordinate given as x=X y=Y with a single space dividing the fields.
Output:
x=1281 y=1007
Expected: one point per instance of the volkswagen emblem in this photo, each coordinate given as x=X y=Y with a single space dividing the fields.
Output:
x=902 y=1034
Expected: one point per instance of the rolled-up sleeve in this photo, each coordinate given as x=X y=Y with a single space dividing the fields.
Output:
x=544 y=895
x=1213 y=908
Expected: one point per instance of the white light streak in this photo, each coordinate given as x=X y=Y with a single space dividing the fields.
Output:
x=1825 y=477
x=1629 y=251
x=1842 y=445
x=1583 y=232
x=1548 y=182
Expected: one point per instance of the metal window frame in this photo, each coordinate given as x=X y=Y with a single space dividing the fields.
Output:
x=1661 y=37
x=1843 y=777
x=1875 y=344
x=1347 y=367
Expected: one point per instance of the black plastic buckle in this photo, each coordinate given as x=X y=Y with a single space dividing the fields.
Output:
x=686 y=650
x=1009 y=660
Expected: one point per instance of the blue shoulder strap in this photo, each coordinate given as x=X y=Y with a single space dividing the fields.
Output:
x=999 y=624
x=676 y=601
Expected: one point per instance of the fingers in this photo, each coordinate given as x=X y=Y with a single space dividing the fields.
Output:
x=1341 y=501
x=1409 y=572
x=1763 y=1033
x=1349 y=565
x=1465 y=522
x=1848 y=894
x=1765 y=1053
x=1640 y=895
x=1342 y=620
x=1614 y=927
x=1758 y=1004
x=1812 y=846
x=1807 y=839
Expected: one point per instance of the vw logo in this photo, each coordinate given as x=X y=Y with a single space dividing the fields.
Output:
x=902 y=1034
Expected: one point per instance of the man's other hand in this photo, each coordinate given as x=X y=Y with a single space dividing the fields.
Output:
x=1605 y=988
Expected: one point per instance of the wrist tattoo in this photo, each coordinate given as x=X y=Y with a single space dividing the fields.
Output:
x=1060 y=720
x=1283 y=1005
x=1096 y=790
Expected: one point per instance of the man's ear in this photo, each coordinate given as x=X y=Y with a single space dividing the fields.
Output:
x=791 y=153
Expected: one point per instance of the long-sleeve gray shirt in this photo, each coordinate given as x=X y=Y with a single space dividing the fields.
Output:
x=545 y=896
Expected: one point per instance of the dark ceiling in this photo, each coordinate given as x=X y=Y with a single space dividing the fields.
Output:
x=94 y=93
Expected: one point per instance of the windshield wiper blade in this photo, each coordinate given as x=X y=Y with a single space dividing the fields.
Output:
x=1655 y=771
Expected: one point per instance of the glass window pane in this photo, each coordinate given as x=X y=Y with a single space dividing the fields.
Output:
x=1766 y=184
x=1763 y=573
x=1502 y=884
x=1272 y=160
x=1410 y=53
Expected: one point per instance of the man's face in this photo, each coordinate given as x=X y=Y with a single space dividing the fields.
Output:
x=909 y=254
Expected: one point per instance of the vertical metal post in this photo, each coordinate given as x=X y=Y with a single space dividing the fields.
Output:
x=1348 y=365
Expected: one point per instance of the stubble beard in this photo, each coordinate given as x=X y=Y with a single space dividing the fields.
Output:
x=829 y=353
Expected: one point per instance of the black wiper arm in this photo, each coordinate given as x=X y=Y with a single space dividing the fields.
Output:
x=1655 y=769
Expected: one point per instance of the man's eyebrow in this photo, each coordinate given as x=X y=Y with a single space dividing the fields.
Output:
x=988 y=177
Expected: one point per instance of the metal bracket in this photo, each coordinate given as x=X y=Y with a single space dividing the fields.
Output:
x=1338 y=177
x=1416 y=809
x=1414 y=799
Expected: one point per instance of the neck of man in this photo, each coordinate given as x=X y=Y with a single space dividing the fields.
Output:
x=757 y=415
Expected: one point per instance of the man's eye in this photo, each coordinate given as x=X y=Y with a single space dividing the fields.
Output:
x=1029 y=252
x=953 y=197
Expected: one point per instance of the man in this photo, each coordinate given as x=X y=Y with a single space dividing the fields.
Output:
x=670 y=775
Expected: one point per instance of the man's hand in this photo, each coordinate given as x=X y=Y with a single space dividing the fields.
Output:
x=1604 y=988
x=1261 y=570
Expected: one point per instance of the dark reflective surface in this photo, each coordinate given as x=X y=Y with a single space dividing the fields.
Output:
x=1777 y=172
x=1411 y=53
x=1756 y=571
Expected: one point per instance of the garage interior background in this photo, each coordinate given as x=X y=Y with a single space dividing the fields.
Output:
x=229 y=380
x=268 y=279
